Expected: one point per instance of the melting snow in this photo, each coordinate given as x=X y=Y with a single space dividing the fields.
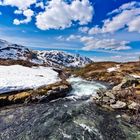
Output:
x=18 y=77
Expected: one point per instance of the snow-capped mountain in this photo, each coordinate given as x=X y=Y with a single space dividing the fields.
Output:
x=14 y=51
x=9 y=51
x=60 y=58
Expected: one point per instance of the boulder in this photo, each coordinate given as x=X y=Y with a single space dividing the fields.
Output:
x=95 y=97
x=134 y=106
x=118 y=105
x=112 y=101
x=106 y=99
x=110 y=94
x=127 y=82
x=126 y=117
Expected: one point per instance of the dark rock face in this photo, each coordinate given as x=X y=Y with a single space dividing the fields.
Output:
x=63 y=120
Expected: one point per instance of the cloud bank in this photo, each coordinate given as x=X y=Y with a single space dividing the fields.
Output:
x=125 y=17
x=56 y=14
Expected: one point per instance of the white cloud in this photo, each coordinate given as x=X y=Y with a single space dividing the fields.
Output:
x=84 y=29
x=126 y=6
x=20 y=4
x=73 y=37
x=91 y=43
x=127 y=16
x=23 y=7
x=94 y=30
x=40 y=5
x=60 y=15
x=117 y=58
x=16 y=22
x=134 y=25
x=28 y=14
x=18 y=12
x=56 y=14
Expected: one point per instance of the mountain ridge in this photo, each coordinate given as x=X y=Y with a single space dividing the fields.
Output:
x=55 y=58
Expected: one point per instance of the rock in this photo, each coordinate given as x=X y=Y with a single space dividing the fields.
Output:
x=20 y=97
x=109 y=94
x=95 y=97
x=126 y=117
x=134 y=106
x=119 y=86
x=127 y=82
x=112 y=101
x=118 y=116
x=54 y=121
x=130 y=81
x=106 y=99
x=118 y=105
x=49 y=92
x=107 y=107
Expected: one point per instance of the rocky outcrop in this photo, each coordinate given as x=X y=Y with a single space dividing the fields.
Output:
x=122 y=97
x=45 y=93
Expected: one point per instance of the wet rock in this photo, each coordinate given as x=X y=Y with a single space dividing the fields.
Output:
x=118 y=105
x=53 y=121
x=95 y=97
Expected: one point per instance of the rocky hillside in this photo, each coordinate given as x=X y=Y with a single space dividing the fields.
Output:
x=60 y=58
x=17 y=54
x=110 y=72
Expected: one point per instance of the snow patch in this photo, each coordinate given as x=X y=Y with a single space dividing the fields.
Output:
x=113 y=68
x=16 y=77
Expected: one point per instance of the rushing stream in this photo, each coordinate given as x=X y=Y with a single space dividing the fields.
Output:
x=65 y=119
x=82 y=87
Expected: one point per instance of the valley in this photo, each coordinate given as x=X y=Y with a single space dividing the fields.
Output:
x=58 y=92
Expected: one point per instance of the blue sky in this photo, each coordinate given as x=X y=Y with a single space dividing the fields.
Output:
x=100 y=29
